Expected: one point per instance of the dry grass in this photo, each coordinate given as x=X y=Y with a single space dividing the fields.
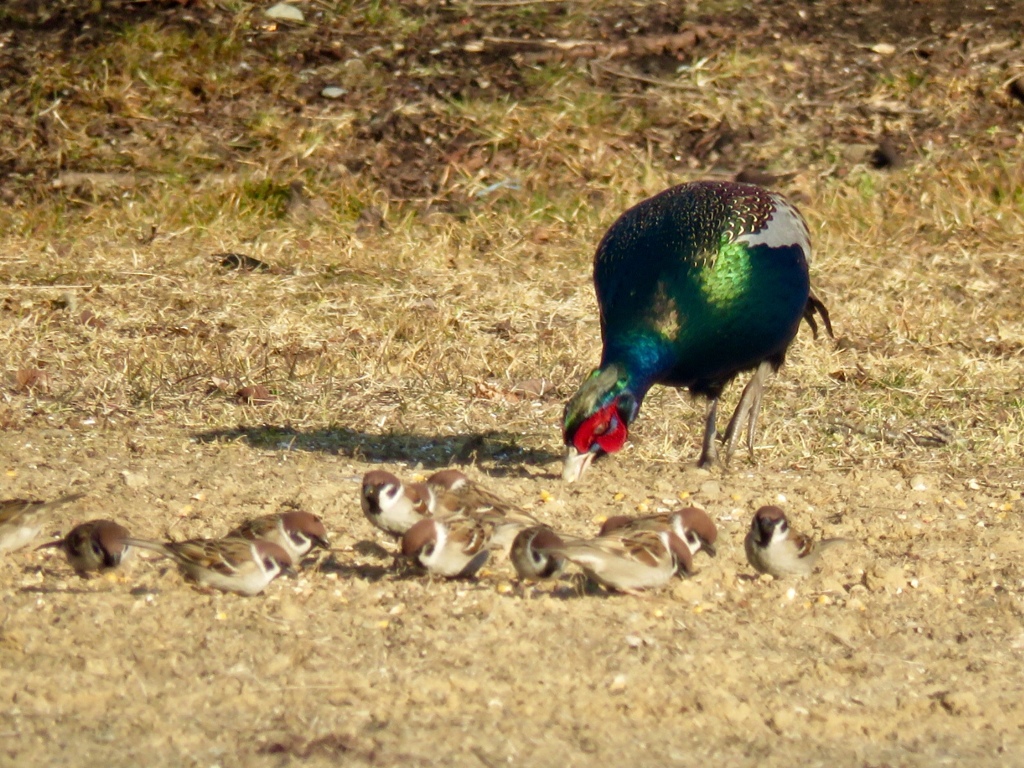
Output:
x=429 y=299
x=422 y=315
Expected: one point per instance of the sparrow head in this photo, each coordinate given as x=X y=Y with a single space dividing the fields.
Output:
x=769 y=524
x=614 y=523
x=94 y=545
x=448 y=479
x=597 y=419
x=104 y=538
x=422 y=539
x=532 y=553
x=304 y=528
x=699 y=530
x=381 y=491
x=272 y=557
x=544 y=539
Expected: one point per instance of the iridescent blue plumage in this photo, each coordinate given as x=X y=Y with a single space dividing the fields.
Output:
x=695 y=285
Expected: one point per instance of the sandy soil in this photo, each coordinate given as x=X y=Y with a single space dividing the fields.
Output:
x=903 y=649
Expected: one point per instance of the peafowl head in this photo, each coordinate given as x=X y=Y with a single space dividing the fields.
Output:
x=597 y=419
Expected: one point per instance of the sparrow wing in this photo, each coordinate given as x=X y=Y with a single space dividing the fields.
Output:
x=647 y=547
x=11 y=509
x=804 y=544
x=224 y=556
x=471 y=498
x=421 y=497
x=256 y=528
x=639 y=546
x=469 y=534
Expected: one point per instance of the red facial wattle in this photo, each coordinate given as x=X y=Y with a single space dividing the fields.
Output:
x=606 y=429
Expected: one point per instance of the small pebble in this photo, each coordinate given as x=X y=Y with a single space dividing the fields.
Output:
x=285 y=12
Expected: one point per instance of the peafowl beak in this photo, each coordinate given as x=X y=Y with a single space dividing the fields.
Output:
x=576 y=464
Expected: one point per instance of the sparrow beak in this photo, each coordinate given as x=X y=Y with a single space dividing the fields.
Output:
x=321 y=542
x=707 y=546
x=575 y=464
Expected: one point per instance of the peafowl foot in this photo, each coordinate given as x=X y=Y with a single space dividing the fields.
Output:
x=746 y=412
x=709 y=447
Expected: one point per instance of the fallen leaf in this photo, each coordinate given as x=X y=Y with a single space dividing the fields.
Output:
x=254 y=395
x=32 y=380
x=90 y=320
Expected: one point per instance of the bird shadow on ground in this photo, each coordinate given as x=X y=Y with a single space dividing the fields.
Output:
x=42 y=590
x=365 y=571
x=431 y=451
x=563 y=589
x=47 y=573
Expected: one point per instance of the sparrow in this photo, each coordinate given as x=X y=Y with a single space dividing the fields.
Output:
x=629 y=561
x=532 y=554
x=232 y=564
x=773 y=547
x=295 y=531
x=691 y=524
x=455 y=546
x=94 y=547
x=448 y=480
x=21 y=520
x=392 y=506
x=456 y=495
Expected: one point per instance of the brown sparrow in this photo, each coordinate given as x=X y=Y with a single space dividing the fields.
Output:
x=773 y=547
x=392 y=506
x=630 y=560
x=21 y=520
x=94 y=547
x=295 y=531
x=456 y=495
x=456 y=546
x=532 y=554
x=231 y=565
x=691 y=524
x=445 y=480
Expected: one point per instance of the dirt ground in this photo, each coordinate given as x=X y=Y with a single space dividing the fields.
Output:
x=902 y=650
x=456 y=340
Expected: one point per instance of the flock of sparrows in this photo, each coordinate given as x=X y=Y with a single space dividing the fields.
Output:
x=451 y=525
x=244 y=561
x=448 y=524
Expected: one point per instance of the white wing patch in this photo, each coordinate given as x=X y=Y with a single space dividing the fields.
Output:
x=785 y=227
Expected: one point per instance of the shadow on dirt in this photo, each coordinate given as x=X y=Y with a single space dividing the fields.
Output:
x=366 y=572
x=431 y=451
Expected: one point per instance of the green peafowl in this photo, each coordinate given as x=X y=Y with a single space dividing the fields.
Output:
x=695 y=285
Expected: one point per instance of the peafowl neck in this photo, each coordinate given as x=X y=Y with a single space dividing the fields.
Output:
x=641 y=357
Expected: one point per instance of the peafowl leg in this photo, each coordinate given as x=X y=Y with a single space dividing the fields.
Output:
x=709 y=450
x=746 y=411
